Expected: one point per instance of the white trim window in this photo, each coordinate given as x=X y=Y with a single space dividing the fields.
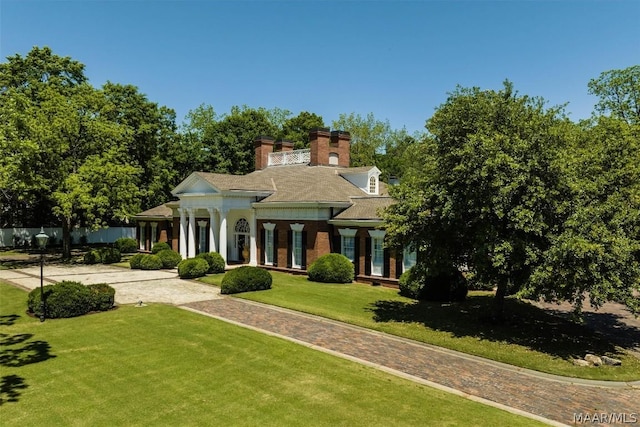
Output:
x=409 y=258
x=377 y=252
x=268 y=243
x=296 y=242
x=348 y=243
x=373 y=184
x=202 y=236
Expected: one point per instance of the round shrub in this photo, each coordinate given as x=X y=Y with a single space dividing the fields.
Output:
x=150 y=262
x=102 y=297
x=160 y=246
x=64 y=299
x=169 y=258
x=332 y=268
x=135 y=261
x=215 y=261
x=192 y=268
x=126 y=245
x=110 y=255
x=421 y=283
x=93 y=257
x=245 y=279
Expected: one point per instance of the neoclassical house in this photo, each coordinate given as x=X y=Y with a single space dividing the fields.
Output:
x=296 y=206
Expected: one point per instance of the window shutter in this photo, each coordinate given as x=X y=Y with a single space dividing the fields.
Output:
x=399 y=264
x=337 y=245
x=367 y=256
x=262 y=245
x=275 y=247
x=303 y=264
x=386 y=270
x=289 y=247
x=356 y=254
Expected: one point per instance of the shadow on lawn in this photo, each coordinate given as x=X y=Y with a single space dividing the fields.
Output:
x=17 y=350
x=9 y=388
x=525 y=325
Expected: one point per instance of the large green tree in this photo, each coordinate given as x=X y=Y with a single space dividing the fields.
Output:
x=480 y=190
x=60 y=149
x=619 y=93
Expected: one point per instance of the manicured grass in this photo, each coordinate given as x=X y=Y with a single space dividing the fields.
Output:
x=530 y=338
x=160 y=365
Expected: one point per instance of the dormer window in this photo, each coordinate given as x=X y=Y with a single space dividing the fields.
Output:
x=373 y=185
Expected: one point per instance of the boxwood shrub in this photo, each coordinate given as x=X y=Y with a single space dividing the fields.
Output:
x=110 y=255
x=332 y=268
x=126 y=245
x=215 y=261
x=71 y=299
x=64 y=299
x=245 y=279
x=192 y=268
x=150 y=262
x=135 y=261
x=102 y=297
x=160 y=246
x=169 y=258
x=94 y=256
x=420 y=283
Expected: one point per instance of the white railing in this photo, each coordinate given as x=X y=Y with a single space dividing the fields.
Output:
x=294 y=157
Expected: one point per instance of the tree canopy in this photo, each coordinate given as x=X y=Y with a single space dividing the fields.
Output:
x=619 y=93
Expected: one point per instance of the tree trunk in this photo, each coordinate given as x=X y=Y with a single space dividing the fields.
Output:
x=498 y=303
x=66 y=238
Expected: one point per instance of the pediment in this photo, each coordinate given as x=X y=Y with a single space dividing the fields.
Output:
x=194 y=184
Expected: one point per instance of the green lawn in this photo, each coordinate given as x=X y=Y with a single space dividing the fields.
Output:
x=160 y=365
x=531 y=338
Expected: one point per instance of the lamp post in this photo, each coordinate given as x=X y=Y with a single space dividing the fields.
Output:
x=42 y=239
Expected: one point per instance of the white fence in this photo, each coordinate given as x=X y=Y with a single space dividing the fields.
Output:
x=294 y=157
x=20 y=236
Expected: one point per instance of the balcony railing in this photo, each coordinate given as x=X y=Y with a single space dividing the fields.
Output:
x=295 y=157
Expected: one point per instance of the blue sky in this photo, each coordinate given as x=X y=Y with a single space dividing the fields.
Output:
x=396 y=59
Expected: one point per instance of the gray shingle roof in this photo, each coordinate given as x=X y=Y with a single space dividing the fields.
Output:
x=161 y=211
x=365 y=208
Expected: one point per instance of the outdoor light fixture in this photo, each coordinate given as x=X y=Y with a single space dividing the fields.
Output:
x=42 y=239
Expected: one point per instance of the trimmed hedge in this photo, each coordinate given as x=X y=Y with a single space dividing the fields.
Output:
x=71 y=299
x=110 y=255
x=422 y=284
x=136 y=260
x=126 y=245
x=332 y=268
x=150 y=262
x=215 y=261
x=160 y=246
x=245 y=279
x=103 y=297
x=93 y=257
x=64 y=299
x=192 y=268
x=169 y=258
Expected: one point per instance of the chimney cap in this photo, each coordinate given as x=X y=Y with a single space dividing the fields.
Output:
x=340 y=133
x=263 y=138
x=320 y=129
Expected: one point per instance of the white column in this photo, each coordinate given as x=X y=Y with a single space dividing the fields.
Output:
x=223 y=234
x=212 y=227
x=253 y=247
x=191 y=248
x=183 y=233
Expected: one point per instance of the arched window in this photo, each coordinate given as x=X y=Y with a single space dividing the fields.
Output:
x=373 y=185
x=242 y=226
x=333 y=159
